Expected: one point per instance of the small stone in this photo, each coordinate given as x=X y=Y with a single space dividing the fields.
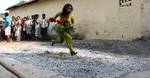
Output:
x=13 y=65
x=12 y=77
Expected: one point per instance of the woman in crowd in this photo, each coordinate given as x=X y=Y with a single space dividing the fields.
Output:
x=13 y=27
x=23 y=29
x=18 y=31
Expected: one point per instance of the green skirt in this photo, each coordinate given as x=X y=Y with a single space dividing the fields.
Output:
x=59 y=28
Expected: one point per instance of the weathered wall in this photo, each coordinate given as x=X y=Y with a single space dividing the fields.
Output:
x=96 y=19
x=146 y=18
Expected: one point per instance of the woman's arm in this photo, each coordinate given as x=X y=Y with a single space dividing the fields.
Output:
x=72 y=19
x=53 y=19
x=57 y=15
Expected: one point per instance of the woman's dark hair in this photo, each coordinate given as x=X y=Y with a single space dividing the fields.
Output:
x=13 y=18
x=64 y=10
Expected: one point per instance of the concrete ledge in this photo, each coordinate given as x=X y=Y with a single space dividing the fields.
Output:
x=6 y=74
x=26 y=70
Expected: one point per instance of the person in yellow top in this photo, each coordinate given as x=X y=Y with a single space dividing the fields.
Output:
x=64 y=25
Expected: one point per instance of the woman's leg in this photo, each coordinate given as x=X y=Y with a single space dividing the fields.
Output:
x=69 y=42
x=59 y=39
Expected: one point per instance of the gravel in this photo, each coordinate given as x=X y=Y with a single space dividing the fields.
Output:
x=95 y=59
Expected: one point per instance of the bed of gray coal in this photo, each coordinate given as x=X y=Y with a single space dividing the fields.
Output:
x=138 y=47
x=130 y=57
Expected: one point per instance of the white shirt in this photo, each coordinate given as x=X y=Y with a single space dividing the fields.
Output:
x=44 y=23
x=28 y=24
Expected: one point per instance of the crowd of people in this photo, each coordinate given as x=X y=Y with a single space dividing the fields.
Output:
x=25 y=28
x=32 y=28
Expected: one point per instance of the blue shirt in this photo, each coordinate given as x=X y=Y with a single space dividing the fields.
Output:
x=7 y=22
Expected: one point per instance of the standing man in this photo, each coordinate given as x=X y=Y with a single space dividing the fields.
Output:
x=33 y=27
x=28 y=24
x=37 y=27
x=7 y=27
x=44 y=26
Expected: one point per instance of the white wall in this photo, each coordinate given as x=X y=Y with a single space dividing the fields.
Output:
x=146 y=18
x=96 y=19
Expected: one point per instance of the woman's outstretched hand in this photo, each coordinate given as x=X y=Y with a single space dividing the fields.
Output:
x=52 y=20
